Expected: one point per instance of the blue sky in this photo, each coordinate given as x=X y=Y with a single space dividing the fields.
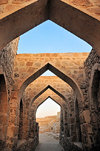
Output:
x=49 y=37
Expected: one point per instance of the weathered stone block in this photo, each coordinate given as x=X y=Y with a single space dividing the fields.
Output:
x=3 y=2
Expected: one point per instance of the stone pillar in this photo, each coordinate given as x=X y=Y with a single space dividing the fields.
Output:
x=26 y=127
x=13 y=123
x=61 y=126
x=32 y=123
x=86 y=129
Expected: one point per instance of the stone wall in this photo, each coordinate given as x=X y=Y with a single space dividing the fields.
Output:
x=83 y=108
x=92 y=88
x=91 y=7
x=9 y=6
x=71 y=64
x=69 y=131
x=33 y=64
x=7 y=56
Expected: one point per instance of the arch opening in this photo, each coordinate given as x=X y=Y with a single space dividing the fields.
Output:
x=52 y=38
x=72 y=129
x=54 y=11
x=46 y=88
x=48 y=116
x=3 y=109
x=20 y=133
x=37 y=102
x=96 y=107
x=58 y=73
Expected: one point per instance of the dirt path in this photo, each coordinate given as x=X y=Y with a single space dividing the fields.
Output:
x=48 y=143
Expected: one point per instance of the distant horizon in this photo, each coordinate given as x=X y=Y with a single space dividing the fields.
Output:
x=47 y=116
x=52 y=53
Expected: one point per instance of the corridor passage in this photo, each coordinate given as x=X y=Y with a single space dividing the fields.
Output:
x=48 y=143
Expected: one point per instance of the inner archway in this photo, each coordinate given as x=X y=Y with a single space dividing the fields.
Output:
x=58 y=73
x=42 y=97
x=48 y=117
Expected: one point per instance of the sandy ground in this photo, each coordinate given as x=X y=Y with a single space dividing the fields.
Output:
x=48 y=143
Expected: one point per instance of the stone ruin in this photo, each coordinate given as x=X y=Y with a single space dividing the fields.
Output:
x=76 y=87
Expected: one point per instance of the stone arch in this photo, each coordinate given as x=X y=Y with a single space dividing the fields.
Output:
x=58 y=103
x=48 y=87
x=32 y=114
x=58 y=11
x=94 y=94
x=43 y=91
x=58 y=73
x=20 y=133
x=46 y=99
x=34 y=108
x=3 y=108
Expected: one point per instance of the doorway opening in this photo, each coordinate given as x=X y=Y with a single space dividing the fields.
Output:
x=3 y=109
x=96 y=105
x=48 y=118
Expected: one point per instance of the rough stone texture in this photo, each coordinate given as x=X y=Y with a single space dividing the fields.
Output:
x=7 y=56
x=91 y=7
x=73 y=67
x=28 y=145
x=63 y=88
x=37 y=12
x=92 y=67
x=80 y=115
x=75 y=124
x=34 y=63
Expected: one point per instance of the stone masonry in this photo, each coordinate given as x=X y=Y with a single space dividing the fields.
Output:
x=75 y=86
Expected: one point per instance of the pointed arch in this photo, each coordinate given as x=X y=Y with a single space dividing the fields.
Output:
x=32 y=108
x=43 y=91
x=46 y=99
x=72 y=19
x=41 y=103
x=58 y=73
x=48 y=87
x=52 y=99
